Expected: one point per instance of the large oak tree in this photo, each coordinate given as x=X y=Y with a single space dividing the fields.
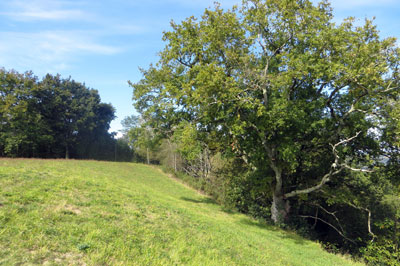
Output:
x=279 y=84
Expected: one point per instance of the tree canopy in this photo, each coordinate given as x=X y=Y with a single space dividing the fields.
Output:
x=295 y=97
x=53 y=118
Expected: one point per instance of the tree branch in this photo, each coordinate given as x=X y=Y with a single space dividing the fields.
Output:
x=344 y=141
x=323 y=181
x=335 y=165
x=325 y=222
x=356 y=169
x=369 y=218
x=330 y=213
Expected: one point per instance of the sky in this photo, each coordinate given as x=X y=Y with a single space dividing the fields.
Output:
x=103 y=43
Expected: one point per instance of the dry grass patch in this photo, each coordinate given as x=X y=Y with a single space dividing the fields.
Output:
x=65 y=208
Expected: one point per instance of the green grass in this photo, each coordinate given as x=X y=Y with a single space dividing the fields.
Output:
x=59 y=212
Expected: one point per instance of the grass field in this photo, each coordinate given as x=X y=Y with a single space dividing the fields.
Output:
x=58 y=212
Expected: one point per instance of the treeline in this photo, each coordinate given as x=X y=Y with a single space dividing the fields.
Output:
x=278 y=112
x=55 y=118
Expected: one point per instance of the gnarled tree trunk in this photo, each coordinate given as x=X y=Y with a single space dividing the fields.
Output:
x=280 y=206
x=279 y=209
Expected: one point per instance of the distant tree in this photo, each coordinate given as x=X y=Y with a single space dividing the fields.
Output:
x=129 y=122
x=141 y=137
x=74 y=114
x=53 y=117
x=21 y=126
x=192 y=149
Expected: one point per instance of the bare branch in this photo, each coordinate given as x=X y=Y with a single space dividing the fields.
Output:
x=345 y=141
x=325 y=222
x=336 y=168
x=352 y=108
x=330 y=213
x=356 y=169
x=323 y=181
x=315 y=221
x=389 y=89
x=369 y=225
x=369 y=218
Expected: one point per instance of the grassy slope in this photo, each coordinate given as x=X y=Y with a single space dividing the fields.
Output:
x=77 y=212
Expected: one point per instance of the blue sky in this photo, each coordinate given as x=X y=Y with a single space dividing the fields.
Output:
x=103 y=43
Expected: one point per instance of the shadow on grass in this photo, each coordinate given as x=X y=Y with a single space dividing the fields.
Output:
x=203 y=200
x=209 y=201
x=259 y=224
x=251 y=222
x=283 y=233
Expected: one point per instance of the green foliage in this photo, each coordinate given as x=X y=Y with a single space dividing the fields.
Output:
x=386 y=249
x=141 y=138
x=383 y=251
x=52 y=118
x=123 y=152
x=188 y=144
x=21 y=127
x=296 y=100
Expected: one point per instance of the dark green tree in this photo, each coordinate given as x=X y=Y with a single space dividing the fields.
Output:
x=21 y=126
x=75 y=115
x=53 y=118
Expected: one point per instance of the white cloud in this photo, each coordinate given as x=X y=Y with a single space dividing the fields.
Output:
x=121 y=29
x=35 y=14
x=34 y=39
x=31 y=10
x=48 y=51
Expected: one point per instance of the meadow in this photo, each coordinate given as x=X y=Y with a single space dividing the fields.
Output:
x=70 y=212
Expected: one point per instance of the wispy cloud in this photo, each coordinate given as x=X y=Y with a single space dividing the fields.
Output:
x=24 y=10
x=48 y=51
x=42 y=41
x=36 y=14
x=116 y=28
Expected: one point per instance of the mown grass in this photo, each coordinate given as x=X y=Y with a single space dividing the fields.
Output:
x=59 y=212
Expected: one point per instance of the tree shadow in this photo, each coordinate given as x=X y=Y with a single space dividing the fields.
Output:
x=259 y=224
x=203 y=200
x=225 y=209
x=266 y=226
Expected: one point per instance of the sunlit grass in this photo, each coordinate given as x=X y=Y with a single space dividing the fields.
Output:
x=102 y=213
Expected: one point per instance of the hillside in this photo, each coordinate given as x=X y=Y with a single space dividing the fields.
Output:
x=93 y=213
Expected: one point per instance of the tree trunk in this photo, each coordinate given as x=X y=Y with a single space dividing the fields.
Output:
x=279 y=209
x=148 y=155
x=66 y=152
x=66 y=147
x=174 y=161
x=280 y=206
x=395 y=238
x=115 y=151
